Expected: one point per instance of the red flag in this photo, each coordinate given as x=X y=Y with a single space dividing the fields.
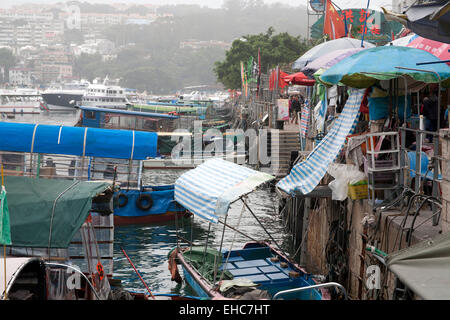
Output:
x=273 y=80
x=333 y=25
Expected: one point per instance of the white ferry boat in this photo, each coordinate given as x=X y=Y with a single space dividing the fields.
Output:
x=21 y=101
x=107 y=94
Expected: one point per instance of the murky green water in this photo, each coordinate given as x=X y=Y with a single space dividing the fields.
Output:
x=148 y=246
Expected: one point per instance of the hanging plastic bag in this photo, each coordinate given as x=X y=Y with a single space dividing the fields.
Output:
x=343 y=174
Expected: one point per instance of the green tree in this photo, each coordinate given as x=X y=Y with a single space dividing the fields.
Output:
x=275 y=49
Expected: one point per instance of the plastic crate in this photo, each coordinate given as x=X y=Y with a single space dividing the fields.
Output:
x=358 y=191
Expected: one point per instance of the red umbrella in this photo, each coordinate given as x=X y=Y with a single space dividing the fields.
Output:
x=298 y=78
x=439 y=49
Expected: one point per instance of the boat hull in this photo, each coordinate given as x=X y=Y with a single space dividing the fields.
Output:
x=20 y=109
x=273 y=279
x=150 y=219
x=62 y=100
x=151 y=205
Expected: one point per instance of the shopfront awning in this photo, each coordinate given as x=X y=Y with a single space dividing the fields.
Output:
x=209 y=189
x=425 y=267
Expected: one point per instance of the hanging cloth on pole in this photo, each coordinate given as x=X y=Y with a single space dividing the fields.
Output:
x=5 y=230
x=306 y=175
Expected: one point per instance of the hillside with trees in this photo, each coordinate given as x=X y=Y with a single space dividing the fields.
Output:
x=151 y=57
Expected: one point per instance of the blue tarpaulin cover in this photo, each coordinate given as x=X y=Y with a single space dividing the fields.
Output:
x=52 y=139
x=379 y=107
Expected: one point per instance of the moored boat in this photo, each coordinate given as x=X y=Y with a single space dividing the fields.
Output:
x=260 y=270
x=21 y=102
x=60 y=152
x=60 y=245
x=257 y=271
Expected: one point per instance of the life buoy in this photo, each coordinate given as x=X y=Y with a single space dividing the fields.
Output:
x=144 y=201
x=101 y=272
x=121 y=203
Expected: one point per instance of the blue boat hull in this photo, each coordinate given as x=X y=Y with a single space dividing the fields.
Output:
x=133 y=207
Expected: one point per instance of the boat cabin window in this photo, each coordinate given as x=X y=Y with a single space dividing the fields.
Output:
x=13 y=162
x=89 y=114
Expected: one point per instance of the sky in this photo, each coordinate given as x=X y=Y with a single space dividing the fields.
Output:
x=374 y=4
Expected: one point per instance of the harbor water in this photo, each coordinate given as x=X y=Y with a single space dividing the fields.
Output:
x=148 y=245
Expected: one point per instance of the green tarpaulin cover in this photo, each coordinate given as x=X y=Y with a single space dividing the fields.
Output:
x=424 y=267
x=37 y=206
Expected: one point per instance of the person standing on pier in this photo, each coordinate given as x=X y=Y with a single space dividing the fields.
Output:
x=296 y=107
x=430 y=111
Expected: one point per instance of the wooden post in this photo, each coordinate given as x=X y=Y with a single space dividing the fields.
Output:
x=303 y=252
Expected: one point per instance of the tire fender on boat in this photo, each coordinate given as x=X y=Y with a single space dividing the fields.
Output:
x=121 y=203
x=144 y=201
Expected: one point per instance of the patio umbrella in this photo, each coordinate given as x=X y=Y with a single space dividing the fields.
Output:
x=298 y=78
x=326 y=47
x=384 y=60
x=328 y=60
x=439 y=49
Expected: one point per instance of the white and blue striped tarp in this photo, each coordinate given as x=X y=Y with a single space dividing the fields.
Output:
x=306 y=175
x=209 y=189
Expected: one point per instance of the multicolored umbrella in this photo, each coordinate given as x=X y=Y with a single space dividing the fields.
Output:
x=352 y=71
x=403 y=41
x=328 y=60
x=439 y=49
x=326 y=47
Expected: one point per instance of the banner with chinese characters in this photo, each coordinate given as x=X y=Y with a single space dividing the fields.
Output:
x=377 y=29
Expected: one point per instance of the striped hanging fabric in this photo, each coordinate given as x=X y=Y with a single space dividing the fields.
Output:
x=209 y=189
x=304 y=121
x=306 y=175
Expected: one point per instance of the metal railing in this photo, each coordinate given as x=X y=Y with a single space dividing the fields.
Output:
x=316 y=286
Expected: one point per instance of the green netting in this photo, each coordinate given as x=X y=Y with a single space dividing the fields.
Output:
x=34 y=212
x=204 y=262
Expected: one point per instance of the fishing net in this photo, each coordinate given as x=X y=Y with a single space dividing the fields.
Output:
x=204 y=262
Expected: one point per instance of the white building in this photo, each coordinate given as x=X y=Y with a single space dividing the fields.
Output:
x=20 y=76
x=33 y=32
x=100 y=46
